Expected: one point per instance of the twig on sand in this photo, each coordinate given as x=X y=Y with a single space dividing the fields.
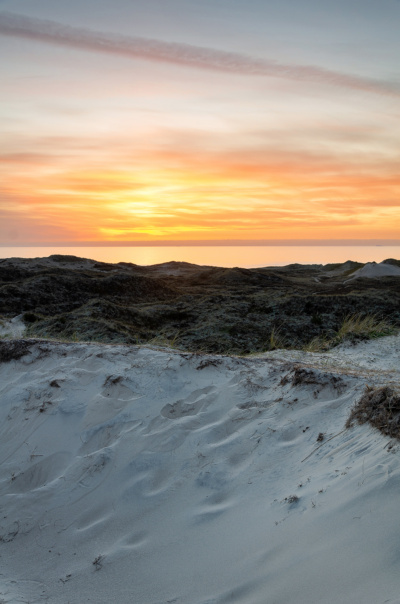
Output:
x=322 y=444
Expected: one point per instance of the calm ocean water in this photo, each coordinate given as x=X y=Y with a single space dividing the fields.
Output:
x=227 y=256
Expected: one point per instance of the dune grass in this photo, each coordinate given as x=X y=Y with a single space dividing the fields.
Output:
x=354 y=327
x=276 y=340
x=381 y=408
x=368 y=327
x=162 y=339
x=317 y=344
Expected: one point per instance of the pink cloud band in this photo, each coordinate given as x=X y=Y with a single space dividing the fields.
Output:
x=186 y=55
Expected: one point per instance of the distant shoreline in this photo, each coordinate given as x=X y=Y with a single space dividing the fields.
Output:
x=223 y=255
x=216 y=242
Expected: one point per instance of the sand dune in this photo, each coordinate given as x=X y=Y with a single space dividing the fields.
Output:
x=373 y=270
x=144 y=475
x=213 y=309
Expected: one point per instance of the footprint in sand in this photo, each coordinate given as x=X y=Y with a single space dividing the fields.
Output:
x=106 y=434
x=164 y=435
x=181 y=409
x=288 y=435
x=212 y=506
x=93 y=518
x=191 y=405
x=88 y=471
x=134 y=540
x=116 y=394
x=40 y=473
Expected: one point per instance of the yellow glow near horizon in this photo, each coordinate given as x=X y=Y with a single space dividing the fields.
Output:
x=182 y=195
x=293 y=136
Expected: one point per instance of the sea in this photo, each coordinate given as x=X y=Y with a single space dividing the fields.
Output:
x=224 y=256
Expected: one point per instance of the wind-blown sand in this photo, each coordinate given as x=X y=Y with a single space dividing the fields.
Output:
x=145 y=475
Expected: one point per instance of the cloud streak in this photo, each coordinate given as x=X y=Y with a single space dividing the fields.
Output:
x=186 y=55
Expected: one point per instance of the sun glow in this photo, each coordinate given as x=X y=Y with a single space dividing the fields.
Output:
x=141 y=152
x=233 y=200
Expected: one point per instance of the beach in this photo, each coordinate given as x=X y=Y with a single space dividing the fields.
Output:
x=144 y=474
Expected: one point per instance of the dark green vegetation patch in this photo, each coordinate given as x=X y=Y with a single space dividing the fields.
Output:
x=202 y=308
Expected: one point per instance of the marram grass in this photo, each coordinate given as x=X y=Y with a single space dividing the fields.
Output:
x=368 y=327
x=357 y=326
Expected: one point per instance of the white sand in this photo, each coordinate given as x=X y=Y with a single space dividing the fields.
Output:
x=373 y=270
x=12 y=328
x=145 y=476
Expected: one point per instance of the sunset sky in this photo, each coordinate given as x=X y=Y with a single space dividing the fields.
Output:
x=155 y=120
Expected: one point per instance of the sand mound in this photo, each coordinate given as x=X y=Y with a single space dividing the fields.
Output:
x=373 y=270
x=12 y=328
x=141 y=475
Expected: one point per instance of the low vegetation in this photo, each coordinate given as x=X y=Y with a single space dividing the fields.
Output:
x=353 y=328
x=13 y=350
x=364 y=327
x=276 y=340
x=197 y=308
x=381 y=408
x=318 y=344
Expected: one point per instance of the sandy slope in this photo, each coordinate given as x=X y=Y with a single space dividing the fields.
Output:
x=140 y=475
x=373 y=270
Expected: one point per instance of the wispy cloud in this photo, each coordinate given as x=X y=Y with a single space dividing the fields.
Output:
x=187 y=55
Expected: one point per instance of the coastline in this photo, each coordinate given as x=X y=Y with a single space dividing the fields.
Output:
x=229 y=256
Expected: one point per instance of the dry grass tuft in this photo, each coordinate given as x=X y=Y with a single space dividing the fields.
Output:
x=276 y=341
x=317 y=344
x=365 y=327
x=303 y=376
x=381 y=408
x=13 y=350
x=165 y=341
x=354 y=328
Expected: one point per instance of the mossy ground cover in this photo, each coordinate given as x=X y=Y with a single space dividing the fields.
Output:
x=218 y=310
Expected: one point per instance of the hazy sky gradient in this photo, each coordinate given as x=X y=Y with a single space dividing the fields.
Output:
x=182 y=120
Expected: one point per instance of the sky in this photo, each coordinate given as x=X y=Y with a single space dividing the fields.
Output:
x=189 y=120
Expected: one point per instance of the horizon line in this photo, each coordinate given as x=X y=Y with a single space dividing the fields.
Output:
x=213 y=242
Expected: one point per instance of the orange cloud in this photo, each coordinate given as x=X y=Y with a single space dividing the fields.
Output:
x=184 y=193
